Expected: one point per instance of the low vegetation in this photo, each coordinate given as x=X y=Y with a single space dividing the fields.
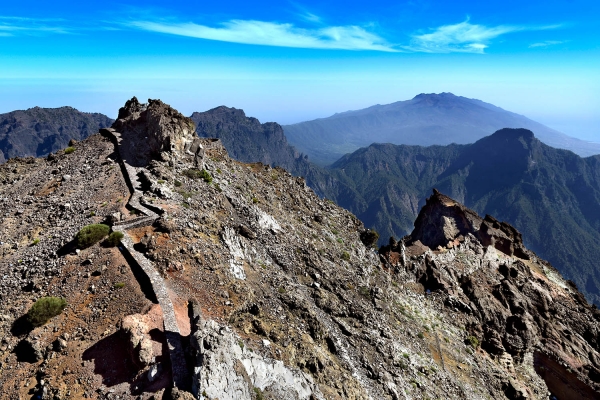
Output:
x=114 y=239
x=44 y=309
x=91 y=234
x=69 y=150
x=197 y=174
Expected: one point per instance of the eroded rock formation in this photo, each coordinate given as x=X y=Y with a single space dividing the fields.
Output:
x=152 y=130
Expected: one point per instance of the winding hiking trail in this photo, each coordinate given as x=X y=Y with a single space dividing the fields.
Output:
x=172 y=333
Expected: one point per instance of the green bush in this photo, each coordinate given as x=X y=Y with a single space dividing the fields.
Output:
x=91 y=234
x=196 y=174
x=369 y=238
x=45 y=308
x=119 y=285
x=473 y=341
x=69 y=150
x=346 y=256
x=206 y=176
x=114 y=239
x=177 y=183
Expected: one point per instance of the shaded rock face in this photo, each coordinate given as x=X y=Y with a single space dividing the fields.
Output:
x=513 y=305
x=152 y=130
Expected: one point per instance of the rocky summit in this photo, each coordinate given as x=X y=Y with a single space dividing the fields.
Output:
x=230 y=280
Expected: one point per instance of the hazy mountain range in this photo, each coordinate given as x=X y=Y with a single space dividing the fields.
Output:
x=427 y=119
x=39 y=131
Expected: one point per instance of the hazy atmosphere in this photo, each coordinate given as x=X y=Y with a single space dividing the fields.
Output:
x=293 y=61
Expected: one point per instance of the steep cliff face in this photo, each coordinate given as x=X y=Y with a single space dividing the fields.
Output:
x=235 y=281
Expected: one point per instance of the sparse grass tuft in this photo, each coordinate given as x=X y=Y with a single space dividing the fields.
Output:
x=119 y=285
x=69 y=150
x=473 y=341
x=345 y=256
x=258 y=393
x=364 y=291
x=197 y=174
x=44 y=309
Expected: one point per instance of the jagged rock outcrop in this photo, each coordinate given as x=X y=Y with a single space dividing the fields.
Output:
x=514 y=305
x=228 y=370
x=140 y=346
x=443 y=222
x=152 y=130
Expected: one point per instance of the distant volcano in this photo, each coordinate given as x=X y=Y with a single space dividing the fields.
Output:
x=427 y=119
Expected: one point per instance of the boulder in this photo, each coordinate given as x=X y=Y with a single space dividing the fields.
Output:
x=140 y=346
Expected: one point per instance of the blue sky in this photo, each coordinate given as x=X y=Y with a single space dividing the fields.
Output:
x=289 y=61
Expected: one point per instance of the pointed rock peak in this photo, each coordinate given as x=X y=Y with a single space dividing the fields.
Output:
x=131 y=107
x=443 y=222
x=152 y=130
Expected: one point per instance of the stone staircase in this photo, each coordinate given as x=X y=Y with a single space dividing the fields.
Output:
x=181 y=379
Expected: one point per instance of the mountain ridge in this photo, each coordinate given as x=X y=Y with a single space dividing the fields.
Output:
x=39 y=131
x=551 y=195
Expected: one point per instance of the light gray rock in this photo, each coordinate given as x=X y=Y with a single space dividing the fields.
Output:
x=227 y=370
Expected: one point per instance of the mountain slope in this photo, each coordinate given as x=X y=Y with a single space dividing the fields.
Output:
x=427 y=119
x=234 y=281
x=551 y=195
x=39 y=131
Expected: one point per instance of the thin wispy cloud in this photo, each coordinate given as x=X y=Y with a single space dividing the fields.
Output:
x=464 y=37
x=310 y=17
x=546 y=43
x=13 y=26
x=348 y=37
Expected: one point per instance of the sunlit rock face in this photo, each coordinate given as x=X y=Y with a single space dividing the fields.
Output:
x=153 y=130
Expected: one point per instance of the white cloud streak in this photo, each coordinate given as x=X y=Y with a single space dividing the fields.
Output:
x=14 y=26
x=275 y=34
x=464 y=37
x=546 y=43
